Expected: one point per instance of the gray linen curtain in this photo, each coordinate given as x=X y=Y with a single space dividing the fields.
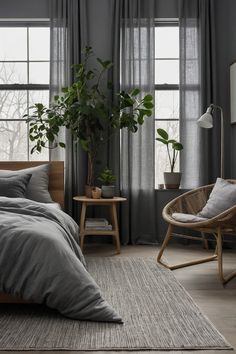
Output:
x=199 y=162
x=68 y=36
x=137 y=150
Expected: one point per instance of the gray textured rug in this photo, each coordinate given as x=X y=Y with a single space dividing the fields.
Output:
x=158 y=314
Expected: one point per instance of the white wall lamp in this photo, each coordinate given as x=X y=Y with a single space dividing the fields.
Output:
x=206 y=121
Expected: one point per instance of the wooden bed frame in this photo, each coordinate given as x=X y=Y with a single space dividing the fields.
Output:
x=56 y=190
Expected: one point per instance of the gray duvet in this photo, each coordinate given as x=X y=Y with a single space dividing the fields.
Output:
x=40 y=261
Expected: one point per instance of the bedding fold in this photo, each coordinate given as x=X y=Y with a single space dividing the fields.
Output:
x=41 y=261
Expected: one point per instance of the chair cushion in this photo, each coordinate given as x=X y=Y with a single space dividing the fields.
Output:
x=222 y=197
x=187 y=217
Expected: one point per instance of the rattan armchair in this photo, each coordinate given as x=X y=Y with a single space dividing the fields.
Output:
x=191 y=203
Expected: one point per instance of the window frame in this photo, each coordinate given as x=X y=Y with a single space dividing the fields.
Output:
x=165 y=86
x=25 y=87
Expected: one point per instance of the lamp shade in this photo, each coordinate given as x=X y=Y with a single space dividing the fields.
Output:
x=206 y=120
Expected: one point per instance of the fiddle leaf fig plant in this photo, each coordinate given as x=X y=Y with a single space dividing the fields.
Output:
x=175 y=146
x=85 y=108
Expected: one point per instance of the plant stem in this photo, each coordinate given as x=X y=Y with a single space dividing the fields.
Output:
x=168 y=150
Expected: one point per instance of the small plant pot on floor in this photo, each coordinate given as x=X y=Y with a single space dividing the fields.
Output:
x=108 y=191
x=172 y=180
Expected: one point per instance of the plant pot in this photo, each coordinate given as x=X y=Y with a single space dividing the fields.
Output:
x=88 y=191
x=172 y=180
x=108 y=191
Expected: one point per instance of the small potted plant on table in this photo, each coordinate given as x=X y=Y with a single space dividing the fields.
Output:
x=172 y=179
x=107 y=179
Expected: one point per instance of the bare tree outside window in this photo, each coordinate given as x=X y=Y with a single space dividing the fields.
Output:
x=24 y=80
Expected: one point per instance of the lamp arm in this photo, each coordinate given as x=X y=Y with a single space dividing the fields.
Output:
x=221 y=139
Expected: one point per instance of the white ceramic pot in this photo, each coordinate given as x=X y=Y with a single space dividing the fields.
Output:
x=172 y=180
x=108 y=191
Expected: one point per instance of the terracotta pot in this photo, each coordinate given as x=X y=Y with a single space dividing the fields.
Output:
x=172 y=180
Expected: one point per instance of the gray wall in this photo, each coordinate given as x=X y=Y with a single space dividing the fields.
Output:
x=225 y=55
x=24 y=9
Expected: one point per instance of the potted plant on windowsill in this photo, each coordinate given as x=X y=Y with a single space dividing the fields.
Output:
x=85 y=108
x=107 y=178
x=172 y=179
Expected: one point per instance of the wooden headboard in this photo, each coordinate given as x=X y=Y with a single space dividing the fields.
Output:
x=56 y=175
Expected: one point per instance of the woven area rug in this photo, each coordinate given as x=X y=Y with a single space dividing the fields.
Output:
x=158 y=314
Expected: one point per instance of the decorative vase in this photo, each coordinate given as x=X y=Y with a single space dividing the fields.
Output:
x=96 y=193
x=108 y=191
x=88 y=191
x=172 y=180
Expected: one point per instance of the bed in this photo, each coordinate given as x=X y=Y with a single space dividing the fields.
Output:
x=40 y=259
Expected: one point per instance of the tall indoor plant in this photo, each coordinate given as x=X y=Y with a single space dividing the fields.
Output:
x=85 y=108
x=173 y=147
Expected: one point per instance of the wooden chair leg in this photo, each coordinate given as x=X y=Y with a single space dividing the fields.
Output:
x=164 y=245
x=224 y=279
x=204 y=241
x=180 y=265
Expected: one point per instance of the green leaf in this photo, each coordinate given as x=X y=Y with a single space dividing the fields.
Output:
x=33 y=149
x=162 y=140
x=148 y=98
x=148 y=104
x=62 y=145
x=163 y=133
x=106 y=64
x=149 y=113
x=135 y=92
x=178 y=146
x=50 y=136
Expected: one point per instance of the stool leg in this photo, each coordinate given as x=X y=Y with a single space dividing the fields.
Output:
x=82 y=225
x=115 y=226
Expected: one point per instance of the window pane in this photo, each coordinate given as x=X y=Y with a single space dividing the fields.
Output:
x=39 y=73
x=161 y=157
x=167 y=42
x=13 y=73
x=13 y=142
x=13 y=43
x=166 y=71
x=36 y=96
x=167 y=104
x=39 y=43
x=13 y=104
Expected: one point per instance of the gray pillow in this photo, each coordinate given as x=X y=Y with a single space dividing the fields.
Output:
x=222 y=197
x=14 y=186
x=37 y=188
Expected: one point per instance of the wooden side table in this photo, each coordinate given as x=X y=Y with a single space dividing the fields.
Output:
x=111 y=202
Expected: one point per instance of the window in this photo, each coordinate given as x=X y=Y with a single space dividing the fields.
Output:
x=166 y=91
x=24 y=80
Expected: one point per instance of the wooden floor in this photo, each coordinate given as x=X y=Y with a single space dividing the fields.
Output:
x=216 y=301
